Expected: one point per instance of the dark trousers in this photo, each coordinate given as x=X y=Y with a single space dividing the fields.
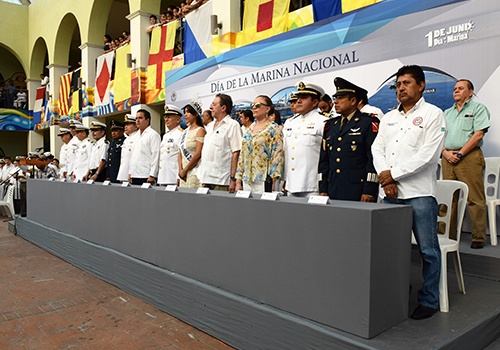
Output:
x=139 y=180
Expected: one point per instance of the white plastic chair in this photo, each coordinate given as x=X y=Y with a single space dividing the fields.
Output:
x=445 y=191
x=8 y=201
x=491 y=174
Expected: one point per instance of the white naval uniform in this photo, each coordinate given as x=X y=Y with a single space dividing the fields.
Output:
x=6 y=170
x=82 y=160
x=98 y=153
x=372 y=110
x=63 y=158
x=302 y=136
x=125 y=158
x=169 y=157
x=72 y=149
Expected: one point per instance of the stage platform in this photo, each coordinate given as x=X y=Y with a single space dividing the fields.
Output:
x=248 y=323
x=472 y=323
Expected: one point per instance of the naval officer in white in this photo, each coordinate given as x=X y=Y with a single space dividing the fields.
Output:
x=169 y=147
x=302 y=142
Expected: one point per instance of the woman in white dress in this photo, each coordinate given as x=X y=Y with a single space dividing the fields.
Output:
x=190 y=146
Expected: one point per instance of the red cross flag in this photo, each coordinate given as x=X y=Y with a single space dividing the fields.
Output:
x=161 y=53
x=263 y=19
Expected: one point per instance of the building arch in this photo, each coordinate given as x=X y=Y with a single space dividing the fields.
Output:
x=39 y=58
x=64 y=38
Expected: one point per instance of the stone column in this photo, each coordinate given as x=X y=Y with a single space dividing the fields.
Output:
x=55 y=73
x=35 y=140
x=90 y=52
x=55 y=141
x=139 y=23
x=32 y=85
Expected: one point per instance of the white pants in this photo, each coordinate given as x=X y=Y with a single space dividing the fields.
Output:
x=256 y=187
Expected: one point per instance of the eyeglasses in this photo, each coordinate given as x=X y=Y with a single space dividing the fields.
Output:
x=258 y=104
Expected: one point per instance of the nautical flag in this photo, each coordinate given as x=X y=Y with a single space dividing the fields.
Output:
x=64 y=93
x=103 y=77
x=352 y=5
x=123 y=79
x=263 y=19
x=197 y=34
x=46 y=108
x=161 y=52
x=37 y=108
x=326 y=8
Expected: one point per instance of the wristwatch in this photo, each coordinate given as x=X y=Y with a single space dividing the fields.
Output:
x=232 y=178
x=459 y=155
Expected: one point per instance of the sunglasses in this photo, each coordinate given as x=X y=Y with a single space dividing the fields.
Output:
x=258 y=104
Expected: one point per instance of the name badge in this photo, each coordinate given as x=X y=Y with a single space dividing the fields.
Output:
x=172 y=188
x=270 y=196
x=146 y=185
x=319 y=200
x=243 y=194
x=90 y=182
x=203 y=190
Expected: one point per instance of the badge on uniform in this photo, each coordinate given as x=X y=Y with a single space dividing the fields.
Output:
x=354 y=147
x=374 y=126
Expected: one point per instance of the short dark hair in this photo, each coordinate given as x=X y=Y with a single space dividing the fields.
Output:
x=363 y=99
x=469 y=83
x=146 y=113
x=415 y=71
x=153 y=16
x=326 y=98
x=164 y=14
x=226 y=100
x=170 y=13
x=248 y=114
x=9 y=158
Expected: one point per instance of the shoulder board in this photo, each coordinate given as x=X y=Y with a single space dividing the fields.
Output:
x=326 y=114
x=106 y=141
x=370 y=115
x=92 y=141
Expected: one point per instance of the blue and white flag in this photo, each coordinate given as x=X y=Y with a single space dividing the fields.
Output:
x=197 y=34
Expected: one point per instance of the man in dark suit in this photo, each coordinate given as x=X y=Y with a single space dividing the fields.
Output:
x=114 y=151
x=346 y=166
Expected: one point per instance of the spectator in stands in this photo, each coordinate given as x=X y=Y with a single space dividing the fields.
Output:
x=190 y=146
x=170 y=16
x=261 y=158
x=126 y=37
x=206 y=117
x=21 y=99
x=246 y=119
x=184 y=11
x=107 y=42
x=154 y=23
x=145 y=152
x=117 y=43
x=222 y=147
x=163 y=19
x=11 y=93
x=177 y=12
x=192 y=5
x=44 y=79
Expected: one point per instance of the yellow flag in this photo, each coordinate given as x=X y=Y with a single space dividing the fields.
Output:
x=351 y=5
x=123 y=79
x=161 y=53
x=263 y=19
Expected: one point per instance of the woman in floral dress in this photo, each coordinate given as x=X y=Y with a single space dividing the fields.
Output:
x=261 y=150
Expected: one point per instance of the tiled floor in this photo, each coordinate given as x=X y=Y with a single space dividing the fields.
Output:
x=46 y=303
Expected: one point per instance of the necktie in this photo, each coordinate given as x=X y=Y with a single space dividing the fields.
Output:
x=342 y=123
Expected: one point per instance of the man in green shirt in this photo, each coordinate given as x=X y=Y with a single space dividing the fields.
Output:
x=463 y=159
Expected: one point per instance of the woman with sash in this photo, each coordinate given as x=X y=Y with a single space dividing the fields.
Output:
x=190 y=146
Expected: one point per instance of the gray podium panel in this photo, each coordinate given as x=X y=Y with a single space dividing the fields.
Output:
x=345 y=265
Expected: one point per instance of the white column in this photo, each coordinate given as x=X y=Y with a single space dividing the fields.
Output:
x=55 y=73
x=90 y=52
x=55 y=141
x=228 y=13
x=139 y=39
x=35 y=140
x=32 y=85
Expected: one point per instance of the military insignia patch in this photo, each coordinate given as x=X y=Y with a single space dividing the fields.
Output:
x=417 y=121
x=374 y=126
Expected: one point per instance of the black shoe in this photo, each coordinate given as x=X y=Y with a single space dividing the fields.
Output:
x=423 y=312
x=477 y=245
